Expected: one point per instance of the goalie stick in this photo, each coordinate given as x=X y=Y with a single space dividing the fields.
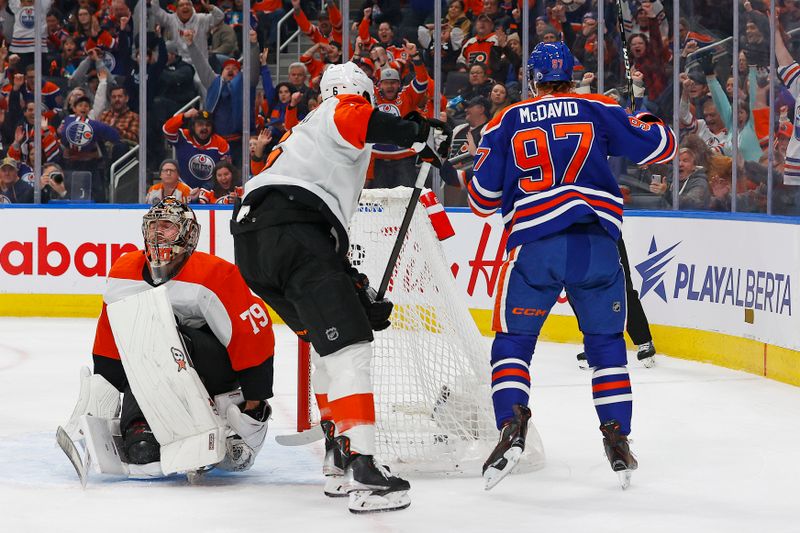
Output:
x=74 y=456
x=315 y=433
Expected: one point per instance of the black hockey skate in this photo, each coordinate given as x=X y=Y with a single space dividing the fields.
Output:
x=141 y=446
x=619 y=454
x=370 y=486
x=647 y=354
x=583 y=364
x=333 y=466
x=509 y=448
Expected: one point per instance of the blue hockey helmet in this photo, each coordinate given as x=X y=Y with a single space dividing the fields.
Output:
x=550 y=62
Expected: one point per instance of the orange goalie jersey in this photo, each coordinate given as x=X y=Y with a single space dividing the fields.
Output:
x=207 y=291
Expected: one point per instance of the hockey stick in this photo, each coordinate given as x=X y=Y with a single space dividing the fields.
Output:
x=401 y=234
x=625 y=56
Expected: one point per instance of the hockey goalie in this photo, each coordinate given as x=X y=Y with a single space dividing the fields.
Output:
x=188 y=348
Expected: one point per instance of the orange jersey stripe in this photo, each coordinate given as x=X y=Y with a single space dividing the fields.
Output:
x=496 y=323
x=325 y=412
x=351 y=117
x=354 y=410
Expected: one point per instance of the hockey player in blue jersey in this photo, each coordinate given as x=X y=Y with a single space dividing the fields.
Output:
x=543 y=163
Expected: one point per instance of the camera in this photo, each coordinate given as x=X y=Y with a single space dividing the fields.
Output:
x=57 y=177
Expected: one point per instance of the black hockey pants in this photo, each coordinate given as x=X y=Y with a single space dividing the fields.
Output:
x=294 y=267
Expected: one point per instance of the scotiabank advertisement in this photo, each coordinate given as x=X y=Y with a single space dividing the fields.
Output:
x=729 y=276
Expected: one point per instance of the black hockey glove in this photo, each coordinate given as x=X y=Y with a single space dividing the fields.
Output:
x=378 y=311
x=433 y=138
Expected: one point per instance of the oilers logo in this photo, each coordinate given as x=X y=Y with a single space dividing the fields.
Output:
x=26 y=17
x=389 y=108
x=201 y=166
x=79 y=133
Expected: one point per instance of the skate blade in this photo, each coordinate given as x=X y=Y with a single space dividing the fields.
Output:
x=493 y=475
x=362 y=502
x=334 y=487
x=648 y=362
x=624 y=478
x=584 y=365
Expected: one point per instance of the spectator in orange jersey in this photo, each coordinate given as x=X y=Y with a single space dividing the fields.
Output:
x=22 y=147
x=330 y=25
x=170 y=185
x=480 y=48
x=394 y=166
x=226 y=187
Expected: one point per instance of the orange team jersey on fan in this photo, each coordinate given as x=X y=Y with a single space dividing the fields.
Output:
x=266 y=6
x=156 y=193
x=477 y=50
x=210 y=197
x=427 y=109
x=407 y=100
x=207 y=291
x=313 y=32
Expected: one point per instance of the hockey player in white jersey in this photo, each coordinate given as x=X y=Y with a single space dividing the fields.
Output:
x=291 y=244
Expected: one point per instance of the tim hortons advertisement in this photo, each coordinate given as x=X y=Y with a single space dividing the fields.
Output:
x=734 y=277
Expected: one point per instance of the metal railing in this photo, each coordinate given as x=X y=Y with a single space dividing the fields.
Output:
x=114 y=176
x=281 y=46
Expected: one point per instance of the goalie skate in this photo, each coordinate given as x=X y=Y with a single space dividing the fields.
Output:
x=509 y=448
x=618 y=452
x=370 y=486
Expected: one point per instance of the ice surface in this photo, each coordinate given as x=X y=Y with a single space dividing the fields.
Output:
x=718 y=451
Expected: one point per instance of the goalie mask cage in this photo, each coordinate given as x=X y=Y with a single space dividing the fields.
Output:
x=430 y=369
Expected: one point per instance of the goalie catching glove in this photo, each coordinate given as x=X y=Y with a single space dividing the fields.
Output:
x=433 y=140
x=378 y=311
x=250 y=430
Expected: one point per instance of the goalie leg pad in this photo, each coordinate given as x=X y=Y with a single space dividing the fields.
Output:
x=210 y=359
x=167 y=388
x=97 y=397
x=350 y=396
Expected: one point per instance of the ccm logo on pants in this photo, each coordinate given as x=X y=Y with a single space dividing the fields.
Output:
x=528 y=311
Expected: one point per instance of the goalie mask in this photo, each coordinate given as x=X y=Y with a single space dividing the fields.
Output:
x=347 y=78
x=170 y=232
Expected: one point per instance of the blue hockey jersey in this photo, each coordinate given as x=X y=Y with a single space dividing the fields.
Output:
x=543 y=162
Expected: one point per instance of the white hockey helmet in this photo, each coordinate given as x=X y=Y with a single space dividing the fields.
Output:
x=347 y=78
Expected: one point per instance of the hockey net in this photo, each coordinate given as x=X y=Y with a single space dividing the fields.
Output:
x=431 y=369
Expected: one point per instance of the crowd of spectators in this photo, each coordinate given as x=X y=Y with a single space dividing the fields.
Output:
x=196 y=93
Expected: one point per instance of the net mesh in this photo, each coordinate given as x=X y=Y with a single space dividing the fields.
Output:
x=431 y=367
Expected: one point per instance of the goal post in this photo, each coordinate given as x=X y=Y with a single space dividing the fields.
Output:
x=431 y=370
